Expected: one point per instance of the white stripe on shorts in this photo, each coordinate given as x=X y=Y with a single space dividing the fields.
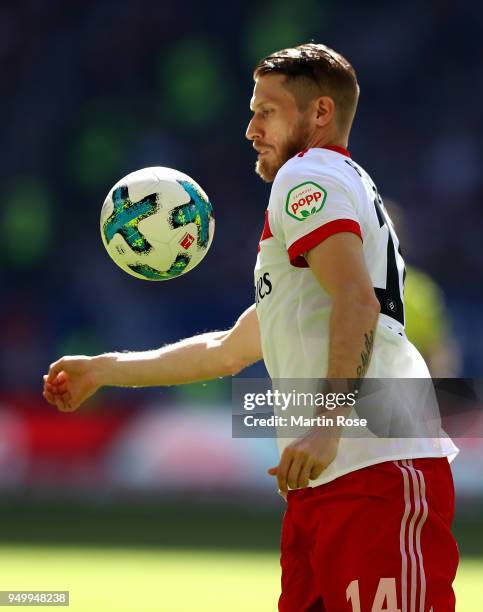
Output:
x=412 y=523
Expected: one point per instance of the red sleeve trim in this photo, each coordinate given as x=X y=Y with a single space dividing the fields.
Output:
x=311 y=240
x=266 y=232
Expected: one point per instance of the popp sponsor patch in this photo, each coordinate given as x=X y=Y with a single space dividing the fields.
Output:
x=305 y=200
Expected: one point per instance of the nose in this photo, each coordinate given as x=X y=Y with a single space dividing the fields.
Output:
x=253 y=130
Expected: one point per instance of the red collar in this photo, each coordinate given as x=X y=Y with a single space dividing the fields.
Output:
x=335 y=148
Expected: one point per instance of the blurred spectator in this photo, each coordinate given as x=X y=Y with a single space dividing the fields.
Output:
x=428 y=321
x=428 y=324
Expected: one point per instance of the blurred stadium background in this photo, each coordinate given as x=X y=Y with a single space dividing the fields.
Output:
x=143 y=501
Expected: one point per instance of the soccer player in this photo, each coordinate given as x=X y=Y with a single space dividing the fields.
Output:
x=367 y=526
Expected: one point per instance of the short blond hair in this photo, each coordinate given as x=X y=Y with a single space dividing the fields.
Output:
x=313 y=70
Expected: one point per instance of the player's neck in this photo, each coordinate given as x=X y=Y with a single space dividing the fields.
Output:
x=327 y=140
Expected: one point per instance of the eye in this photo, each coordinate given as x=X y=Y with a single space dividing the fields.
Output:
x=265 y=113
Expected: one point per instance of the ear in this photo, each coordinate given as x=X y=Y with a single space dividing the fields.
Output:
x=325 y=111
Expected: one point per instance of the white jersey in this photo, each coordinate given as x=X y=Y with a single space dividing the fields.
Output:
x=316 y=194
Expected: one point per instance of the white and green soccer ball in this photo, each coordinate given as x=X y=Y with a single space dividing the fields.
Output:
x=157 y=223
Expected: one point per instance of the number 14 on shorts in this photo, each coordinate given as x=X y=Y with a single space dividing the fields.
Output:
x=385 y=599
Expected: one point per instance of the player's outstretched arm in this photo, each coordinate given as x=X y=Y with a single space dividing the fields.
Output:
x=72 y=380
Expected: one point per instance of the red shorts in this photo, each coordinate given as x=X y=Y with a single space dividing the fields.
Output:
x=378 y=539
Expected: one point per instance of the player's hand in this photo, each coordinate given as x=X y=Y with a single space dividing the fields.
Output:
x=70 y=381
x=303 y=460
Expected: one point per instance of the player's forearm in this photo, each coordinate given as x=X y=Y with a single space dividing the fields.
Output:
x=195 y=359
x=353 y=324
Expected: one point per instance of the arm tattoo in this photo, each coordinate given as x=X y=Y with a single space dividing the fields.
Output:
x=366 y=354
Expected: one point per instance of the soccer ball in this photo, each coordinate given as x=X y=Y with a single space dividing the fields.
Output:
x=157 y=223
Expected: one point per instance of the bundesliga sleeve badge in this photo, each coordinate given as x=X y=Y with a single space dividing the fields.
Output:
x=305 y=200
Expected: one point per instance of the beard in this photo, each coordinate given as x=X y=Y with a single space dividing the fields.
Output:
x=267 y=168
